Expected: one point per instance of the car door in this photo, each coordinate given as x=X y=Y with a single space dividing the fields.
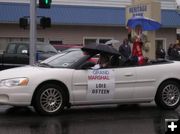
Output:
x=103 y=85
x=125 y=78
x=144 y=88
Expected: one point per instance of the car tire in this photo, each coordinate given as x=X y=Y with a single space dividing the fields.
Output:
x=49 y=99
x=168 y=95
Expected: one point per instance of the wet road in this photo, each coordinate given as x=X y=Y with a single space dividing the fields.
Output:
x=131 y=119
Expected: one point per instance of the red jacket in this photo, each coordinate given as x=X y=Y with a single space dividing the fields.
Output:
x=137 y=52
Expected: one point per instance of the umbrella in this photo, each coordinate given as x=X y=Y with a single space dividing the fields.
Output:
x=147 y=24
x=100 y=48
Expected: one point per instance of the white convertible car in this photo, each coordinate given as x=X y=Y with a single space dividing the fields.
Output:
x=67 y=79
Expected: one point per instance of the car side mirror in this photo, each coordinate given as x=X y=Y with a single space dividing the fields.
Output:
x=25 y=52
x=87 y=65
x=2 y=52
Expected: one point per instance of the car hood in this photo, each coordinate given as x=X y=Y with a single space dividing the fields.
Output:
x=28 y=71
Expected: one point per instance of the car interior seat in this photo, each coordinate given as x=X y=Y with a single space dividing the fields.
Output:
x=114 y=61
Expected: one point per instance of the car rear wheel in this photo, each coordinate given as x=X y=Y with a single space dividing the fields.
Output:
x=168 y=95
x=49 y=100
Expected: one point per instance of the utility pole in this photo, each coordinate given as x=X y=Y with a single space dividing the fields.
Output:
x=33 y=32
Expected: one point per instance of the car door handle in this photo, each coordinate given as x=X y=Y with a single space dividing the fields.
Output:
x=128 y=75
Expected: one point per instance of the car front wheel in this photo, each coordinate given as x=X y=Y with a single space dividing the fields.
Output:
x=49 y=100
x=168 y=95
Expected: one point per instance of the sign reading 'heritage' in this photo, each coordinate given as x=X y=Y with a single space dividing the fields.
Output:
x=138 y=10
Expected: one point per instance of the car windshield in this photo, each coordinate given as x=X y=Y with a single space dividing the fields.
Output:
x=63 y=60
x=46 y=48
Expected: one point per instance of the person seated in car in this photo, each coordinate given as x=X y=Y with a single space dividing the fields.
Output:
x=104 y=61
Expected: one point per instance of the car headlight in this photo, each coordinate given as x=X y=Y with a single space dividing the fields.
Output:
x=14 y=82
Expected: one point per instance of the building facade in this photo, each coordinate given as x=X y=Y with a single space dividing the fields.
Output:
x=81 y=22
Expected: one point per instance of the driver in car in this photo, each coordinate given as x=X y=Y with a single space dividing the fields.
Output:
x=104 y=61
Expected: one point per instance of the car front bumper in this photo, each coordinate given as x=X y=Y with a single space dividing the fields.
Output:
x=15 y=96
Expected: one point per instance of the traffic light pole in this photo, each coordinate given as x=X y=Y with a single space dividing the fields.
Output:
x=33 y=32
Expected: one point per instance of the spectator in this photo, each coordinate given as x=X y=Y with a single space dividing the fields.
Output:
x=125 y=49
x=160 y=53
x=170 y=50
x=175 y=53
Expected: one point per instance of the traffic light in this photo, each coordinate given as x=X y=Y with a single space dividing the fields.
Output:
x=23 y=22
x=45 y=22
x=45 y=3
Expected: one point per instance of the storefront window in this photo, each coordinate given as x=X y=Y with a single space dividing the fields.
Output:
x=103 y=40
x=160 y=43
x=160 y=46
x=89 y=40
x=56 y=42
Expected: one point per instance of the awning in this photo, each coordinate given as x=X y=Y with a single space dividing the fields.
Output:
x=80 y=15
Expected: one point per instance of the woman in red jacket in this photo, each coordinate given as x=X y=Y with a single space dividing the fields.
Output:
x=137 y=50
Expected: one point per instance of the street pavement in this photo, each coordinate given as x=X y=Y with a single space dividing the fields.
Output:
x=111 y=119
